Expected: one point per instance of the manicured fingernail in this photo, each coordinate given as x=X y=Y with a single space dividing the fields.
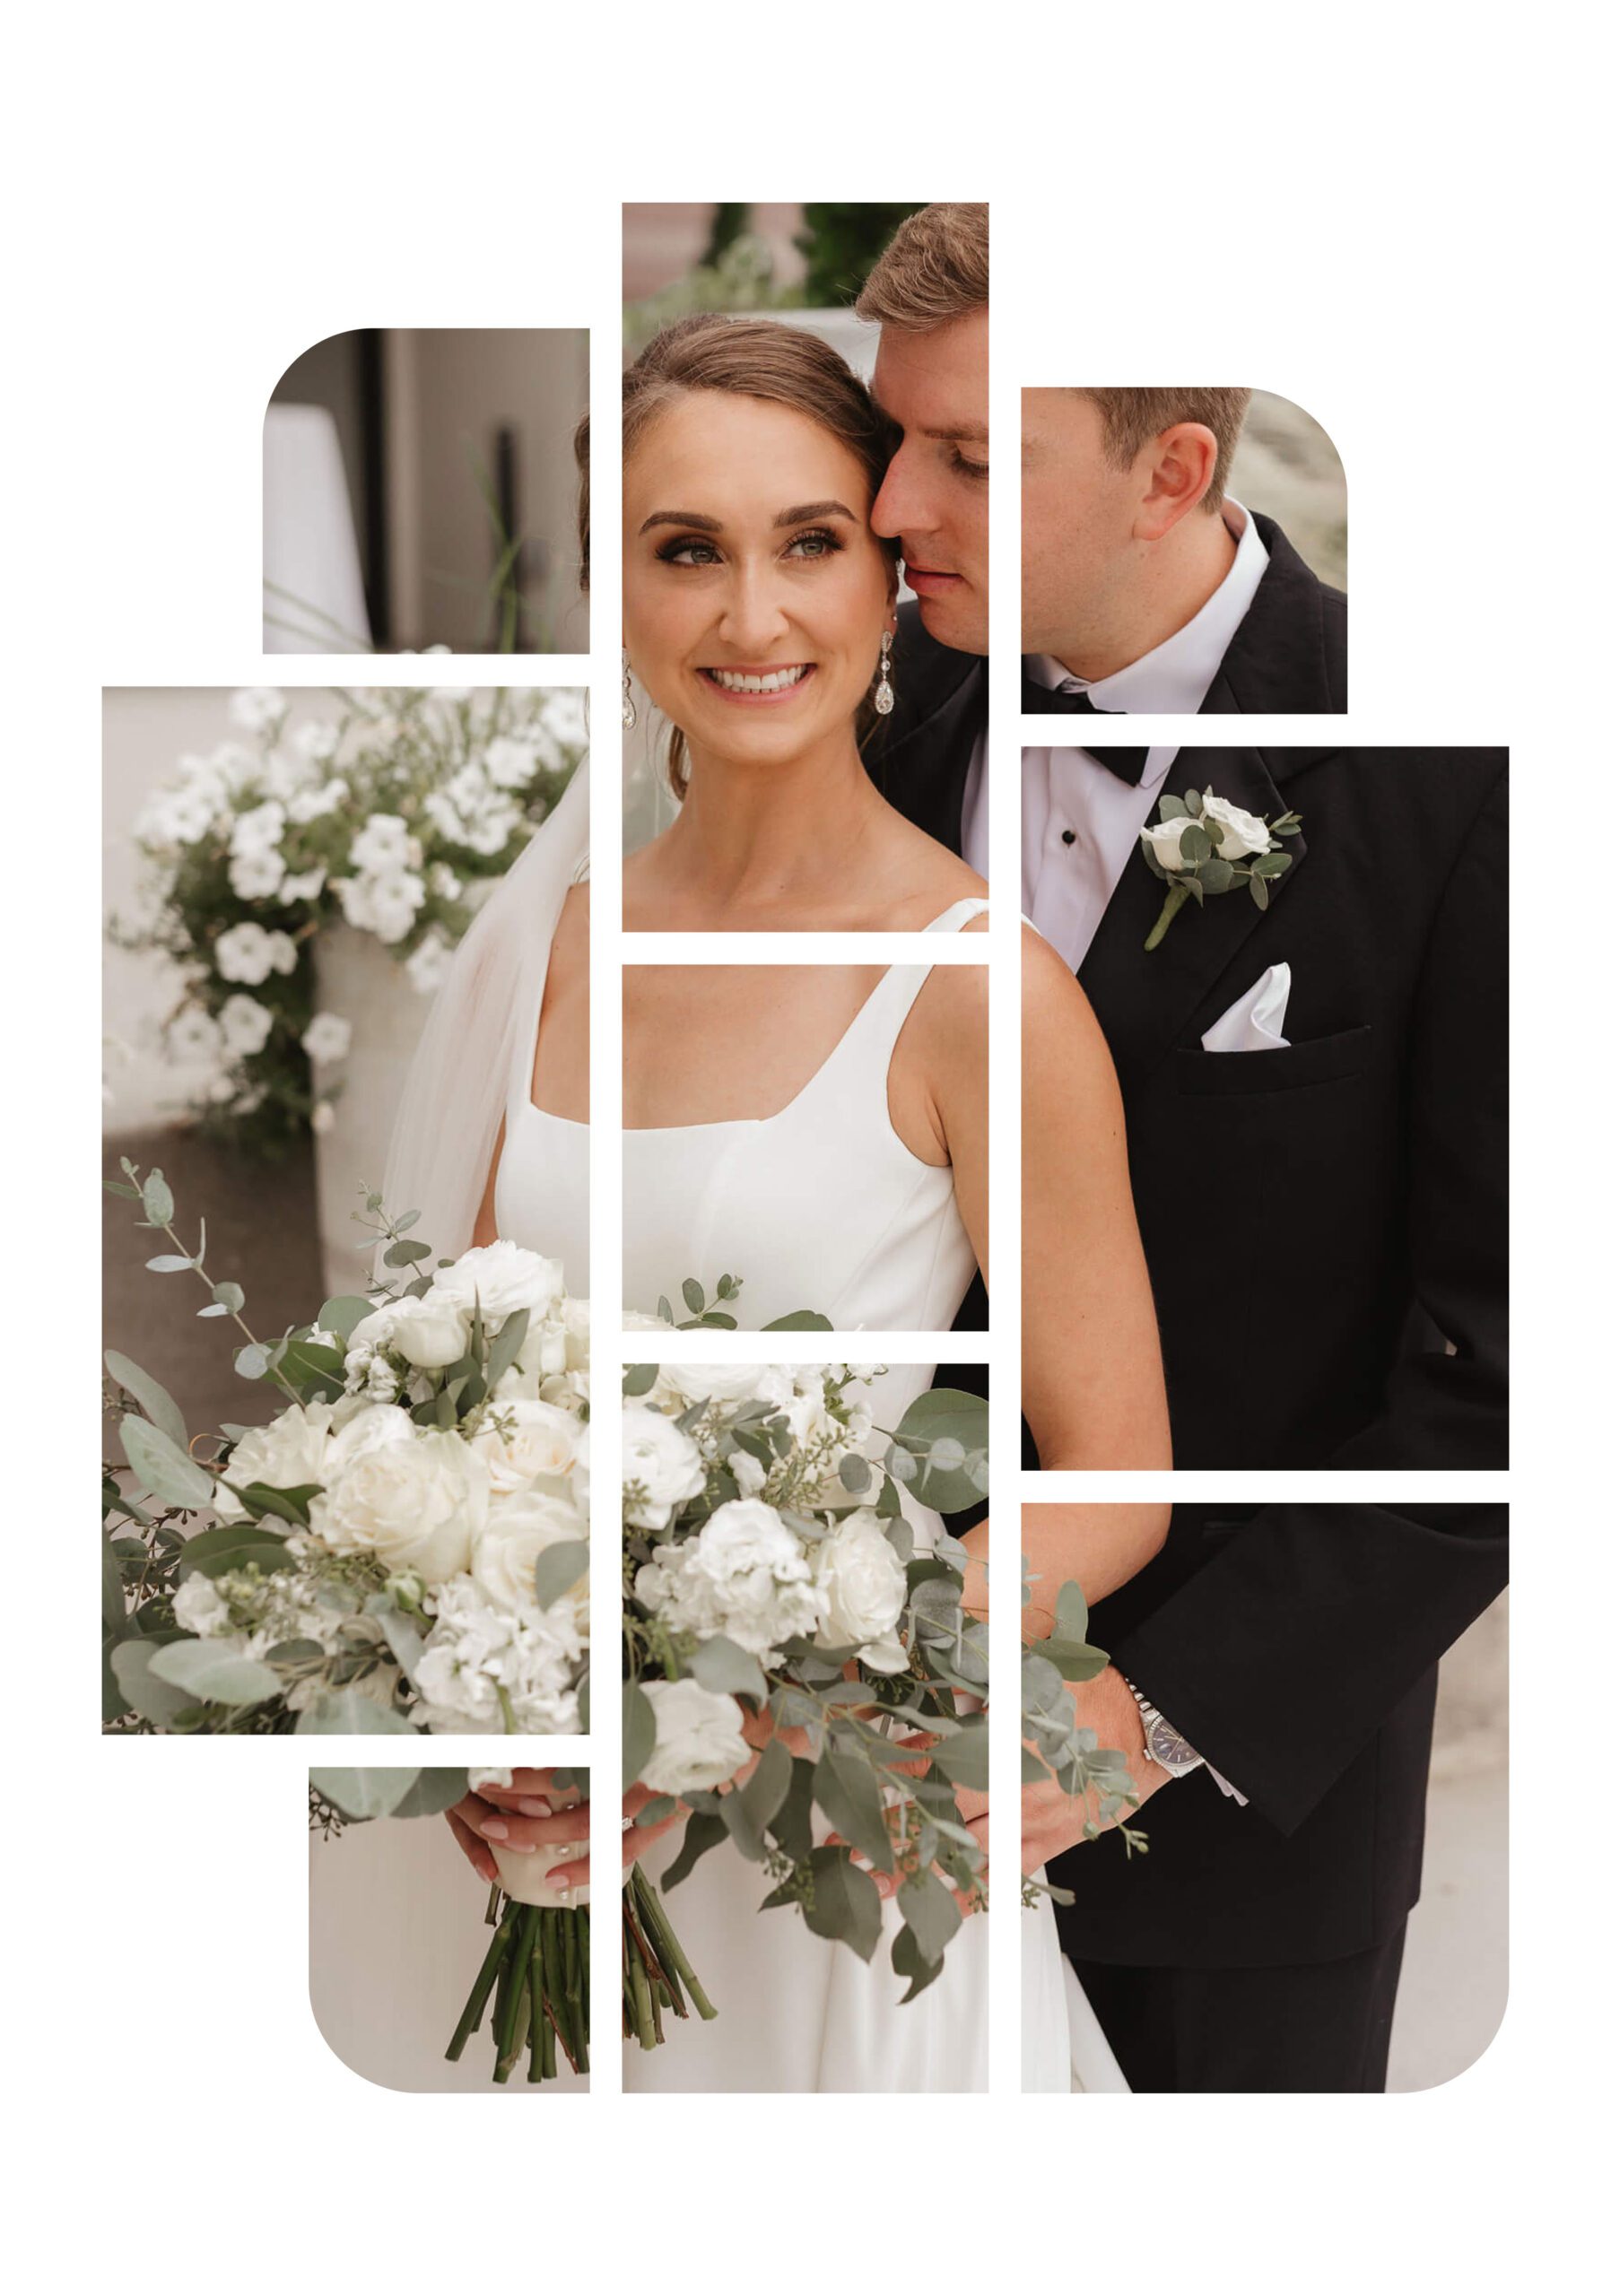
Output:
x=534 y=1808
x=494 y=1829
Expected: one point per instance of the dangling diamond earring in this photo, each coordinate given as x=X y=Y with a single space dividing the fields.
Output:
x=883 y=693
x=629 y=707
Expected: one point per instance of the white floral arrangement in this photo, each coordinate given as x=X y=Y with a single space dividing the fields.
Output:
x=385 y=813
x=794 y=1645
x=402 y=1548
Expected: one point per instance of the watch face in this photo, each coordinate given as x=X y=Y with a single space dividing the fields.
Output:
x=1170 y=1750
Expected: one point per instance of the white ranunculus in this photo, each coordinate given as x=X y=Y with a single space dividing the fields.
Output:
x=328 y=1037
x=699 y=1738
x=523 y=1439
x=1164 y=839
x=291 y=1451
x=1245 y=834
x=504 y=1277
x=246 y=1026
x=861 y=1582
x=198 y=1606
x=415 y=1503
x=256 y=876
x=256 y=708
x=248 y=953
x=660 y=1467
x=743 y=1574
x=427 y=966
x=520 y=1526
x=384 y=843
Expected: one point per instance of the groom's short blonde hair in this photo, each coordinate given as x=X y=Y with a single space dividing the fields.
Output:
x=1132 y=419
x=937 y=268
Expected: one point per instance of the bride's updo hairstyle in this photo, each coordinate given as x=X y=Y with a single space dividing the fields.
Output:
x=752 y=359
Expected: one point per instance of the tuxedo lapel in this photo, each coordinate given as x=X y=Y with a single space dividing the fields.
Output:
x=1147 y=1000
x=1288 y=654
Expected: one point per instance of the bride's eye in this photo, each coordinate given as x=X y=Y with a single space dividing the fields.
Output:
x=690 y=550
x=821 y=542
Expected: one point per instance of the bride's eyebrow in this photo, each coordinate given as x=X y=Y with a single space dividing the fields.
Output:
x=681 y=518
x=804 y=512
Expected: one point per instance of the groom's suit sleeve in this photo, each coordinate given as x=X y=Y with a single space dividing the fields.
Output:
x=1442 y=1409
x=1283 y=1655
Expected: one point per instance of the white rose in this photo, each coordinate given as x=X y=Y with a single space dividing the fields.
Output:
x=292 y=1451
x=416 y=1502
x=519 y=1528
x=198 y=1606
x=503 y=1277
x=660 y=1467
x=860 y=1583
x=1245 y=834
x=714 y=1382
x=328 y=1037
x=699 y=1738
x=1164 y=839
x=522 y=1439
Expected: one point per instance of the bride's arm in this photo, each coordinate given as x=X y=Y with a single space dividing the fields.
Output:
x=486 y=1219
x=1092 y=1368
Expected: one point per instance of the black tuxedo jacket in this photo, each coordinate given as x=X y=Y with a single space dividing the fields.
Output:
x=1296 y=1647
x=918 y=755
x=1289 y=652
x=1325 y=1226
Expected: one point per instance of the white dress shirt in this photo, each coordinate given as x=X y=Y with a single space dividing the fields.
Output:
x=1175 y=677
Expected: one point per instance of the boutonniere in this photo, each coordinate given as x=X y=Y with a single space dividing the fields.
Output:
x=1201 y=844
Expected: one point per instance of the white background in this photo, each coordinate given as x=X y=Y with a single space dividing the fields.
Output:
x=1382 y=216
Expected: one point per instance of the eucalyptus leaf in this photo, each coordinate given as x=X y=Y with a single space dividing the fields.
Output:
x=849 y=1797
x=215 y=1675
x=433 y=1792
x=151 y=1396
x=931 y=1913
x=702 y=1831
x=151 y=1698
x=719 y=1664
x=369 y=1792
x=560 y=1567
x=161 y=1463
x=349 y=1714
x=843 y=1904
x=637 y=1733
x=156 y=1197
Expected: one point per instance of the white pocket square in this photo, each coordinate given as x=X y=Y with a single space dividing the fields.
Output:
x=1255 y=1021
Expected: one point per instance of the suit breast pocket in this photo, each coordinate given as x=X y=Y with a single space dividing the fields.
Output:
x=1309 y=1066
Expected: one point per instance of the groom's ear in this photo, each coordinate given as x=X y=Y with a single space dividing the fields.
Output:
x=1176 y=470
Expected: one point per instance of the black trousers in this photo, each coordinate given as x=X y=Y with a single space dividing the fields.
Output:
x=1321 y=2027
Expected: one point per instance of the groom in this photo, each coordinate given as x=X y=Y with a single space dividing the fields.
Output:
x=929 y=297
x=1147 y=587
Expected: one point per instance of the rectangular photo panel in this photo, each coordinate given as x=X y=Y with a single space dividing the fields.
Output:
x=420 y=491
x=419 y=1979
x=1266 y=1807
x=805 y=499
x=804 y=1732
x=1265 y=1111
x=805 y=1146
x=346 y=1342
x=1184 y=551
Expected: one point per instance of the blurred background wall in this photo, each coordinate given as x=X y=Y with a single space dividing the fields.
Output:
x=420 y=489
x=1287 y=467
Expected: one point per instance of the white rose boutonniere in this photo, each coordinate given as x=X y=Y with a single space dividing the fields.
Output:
x=1201 y=844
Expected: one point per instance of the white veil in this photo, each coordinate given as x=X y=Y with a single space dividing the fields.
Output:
x=485 y=1019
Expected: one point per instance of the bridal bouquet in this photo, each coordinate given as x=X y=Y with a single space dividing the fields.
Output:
x=388 y=812
x=534 y=1974
x=796 y=1647
x=402 y=1547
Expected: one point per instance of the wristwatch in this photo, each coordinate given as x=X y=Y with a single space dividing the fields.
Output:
x=1164 y=1744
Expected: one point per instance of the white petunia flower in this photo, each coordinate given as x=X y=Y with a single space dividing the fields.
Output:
x=257 y=876
x=256 y=708
x=328 y=1037
x=246 y=1026
x=248 y=953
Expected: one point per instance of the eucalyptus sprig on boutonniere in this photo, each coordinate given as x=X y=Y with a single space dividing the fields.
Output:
x=1201 y=844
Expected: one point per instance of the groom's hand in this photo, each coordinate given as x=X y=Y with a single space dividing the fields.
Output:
x=1052 y=1820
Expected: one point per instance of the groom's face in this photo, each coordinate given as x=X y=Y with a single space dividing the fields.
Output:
x=1079 y=516
x=936 y=497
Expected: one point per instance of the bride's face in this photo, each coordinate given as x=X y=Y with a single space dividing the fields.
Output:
x=754 y=590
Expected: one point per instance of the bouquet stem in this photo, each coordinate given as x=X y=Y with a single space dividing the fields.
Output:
x=537 y=1961
x=656 y=1971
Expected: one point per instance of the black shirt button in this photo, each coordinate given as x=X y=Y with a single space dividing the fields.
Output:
x=1068 y=837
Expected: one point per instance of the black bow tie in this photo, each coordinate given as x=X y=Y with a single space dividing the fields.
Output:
x=1129 y=765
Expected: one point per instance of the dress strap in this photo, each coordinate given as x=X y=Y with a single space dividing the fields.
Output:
x=960 y=913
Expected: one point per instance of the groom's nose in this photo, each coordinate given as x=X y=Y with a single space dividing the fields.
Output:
x=899 y=508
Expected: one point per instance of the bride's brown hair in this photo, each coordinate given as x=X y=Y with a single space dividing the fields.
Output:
x=752 y=359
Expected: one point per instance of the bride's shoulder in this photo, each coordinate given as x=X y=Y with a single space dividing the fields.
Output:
x=570 y=931
x=1061 y=1034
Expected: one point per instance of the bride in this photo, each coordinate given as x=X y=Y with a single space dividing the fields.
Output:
x=818 y=1131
